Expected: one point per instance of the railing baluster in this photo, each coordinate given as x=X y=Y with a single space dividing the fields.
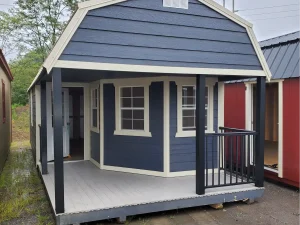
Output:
x=212 y=162
x=237 y=160
x=219 y=150
x=225 y=163
x=206 y=163
x=231 y=143
x=248 y=158
x=242 y=155
x=253 y=167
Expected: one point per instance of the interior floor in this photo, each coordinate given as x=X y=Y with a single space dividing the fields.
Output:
x=271 y=154
x=76 y=150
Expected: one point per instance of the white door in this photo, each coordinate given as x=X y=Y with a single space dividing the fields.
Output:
x=66 y=123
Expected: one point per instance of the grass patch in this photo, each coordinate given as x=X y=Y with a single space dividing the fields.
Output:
x=21 y=191
x=23 y=199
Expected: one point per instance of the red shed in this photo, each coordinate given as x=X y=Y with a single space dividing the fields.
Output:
x=282 y=108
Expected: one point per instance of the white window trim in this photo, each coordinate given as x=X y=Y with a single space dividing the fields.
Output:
x=94 y=87
x=137 y=133
x=210 y=82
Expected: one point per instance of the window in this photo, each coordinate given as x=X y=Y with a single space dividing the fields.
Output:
x=3 y=103
x=182 y=4
x=132 y=108
x=95 y=109
x=189 y=107
x=186 y=107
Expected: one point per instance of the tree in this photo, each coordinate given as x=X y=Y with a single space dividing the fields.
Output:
x=24 y=69
x=35 y=24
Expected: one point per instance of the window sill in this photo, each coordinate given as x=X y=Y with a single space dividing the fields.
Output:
x=190 y=133
x=135 y=133
x=95 y=129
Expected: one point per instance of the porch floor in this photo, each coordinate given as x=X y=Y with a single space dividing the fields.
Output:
x=89 y=189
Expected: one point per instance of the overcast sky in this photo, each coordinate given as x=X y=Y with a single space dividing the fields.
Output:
x=270 y=18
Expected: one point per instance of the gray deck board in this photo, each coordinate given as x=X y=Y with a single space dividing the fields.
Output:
x=87 y=188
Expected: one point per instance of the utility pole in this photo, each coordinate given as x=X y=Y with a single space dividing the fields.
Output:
x=233 y=10
x=224 y=4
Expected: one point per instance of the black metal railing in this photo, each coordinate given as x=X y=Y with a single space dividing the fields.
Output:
x=229 y=157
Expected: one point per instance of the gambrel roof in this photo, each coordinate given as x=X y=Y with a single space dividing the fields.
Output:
x=282 y=55
x=144 y=36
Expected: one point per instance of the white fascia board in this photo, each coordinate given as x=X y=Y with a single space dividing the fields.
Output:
x=227 y=13
x=156 y=69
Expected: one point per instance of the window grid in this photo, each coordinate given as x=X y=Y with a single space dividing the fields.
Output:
x=189 y=107
x=132 y=108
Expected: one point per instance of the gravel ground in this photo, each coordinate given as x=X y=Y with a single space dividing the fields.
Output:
x=278 y=206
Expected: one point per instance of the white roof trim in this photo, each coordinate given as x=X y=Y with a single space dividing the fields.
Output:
x=84 y=7
x=155 y=69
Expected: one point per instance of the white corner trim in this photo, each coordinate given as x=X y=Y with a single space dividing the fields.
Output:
x=259 y=53
x=280 y=129
x=95 y=162
x=166 y=149
x=38 y=120
x=135 y=133
x=101 y=125
x=227 y=13
x=221 y=105
x=156 y=69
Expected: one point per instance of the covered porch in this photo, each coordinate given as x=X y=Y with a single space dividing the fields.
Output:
x=92 y=194
x=227 y=163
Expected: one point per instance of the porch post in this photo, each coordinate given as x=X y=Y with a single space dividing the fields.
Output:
x=260 y=129
x=58 y=140
x=200 y=135
x=44 y=129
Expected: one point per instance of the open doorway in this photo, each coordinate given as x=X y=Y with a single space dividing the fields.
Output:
x=76 y=123
x=271 y=125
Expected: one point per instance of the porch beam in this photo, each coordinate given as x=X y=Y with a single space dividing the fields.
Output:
x=43 y=131
x=260 y=129
x=200 y=135
x=58 y=141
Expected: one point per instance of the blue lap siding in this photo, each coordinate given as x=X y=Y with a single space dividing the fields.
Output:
x=144 y=153
x=143 y=32
x=95 y=146
x=183 y=149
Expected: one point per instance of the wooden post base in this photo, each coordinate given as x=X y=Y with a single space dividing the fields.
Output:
x=217 y=206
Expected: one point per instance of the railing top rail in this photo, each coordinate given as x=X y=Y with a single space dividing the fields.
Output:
x=232 y=133
x=235 y=129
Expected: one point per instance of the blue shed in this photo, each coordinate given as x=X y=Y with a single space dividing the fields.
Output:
x=130 y=106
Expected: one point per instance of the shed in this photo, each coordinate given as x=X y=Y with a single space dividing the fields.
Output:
x=129 y=106
x=282 y=107
x=5 y=110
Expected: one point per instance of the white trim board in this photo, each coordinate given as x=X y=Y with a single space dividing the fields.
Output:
x=84 y=7
x=249 y=117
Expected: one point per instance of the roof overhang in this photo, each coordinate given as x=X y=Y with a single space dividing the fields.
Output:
x=84 y=7
x=5 y=67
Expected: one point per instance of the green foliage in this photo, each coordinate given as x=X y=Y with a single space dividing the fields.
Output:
x=24 y=69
